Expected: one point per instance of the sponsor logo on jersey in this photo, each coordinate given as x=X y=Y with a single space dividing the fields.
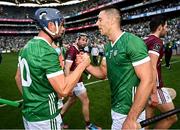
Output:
x=115 y=52
x=111 y=51
x=157 y=47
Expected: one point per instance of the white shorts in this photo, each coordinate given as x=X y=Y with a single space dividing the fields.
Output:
x=79 y=89
x=43 y=125
x=163 y=96
x=118 y=119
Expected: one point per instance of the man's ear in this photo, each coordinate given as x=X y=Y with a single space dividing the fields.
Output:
x=159 y=27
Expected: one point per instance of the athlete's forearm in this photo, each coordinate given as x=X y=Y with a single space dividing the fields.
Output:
x=154 y=90
x=18 y=83
x=72 y=79
x=18 y=80
x=144 y=72
x=154 y=59
x=62 y=84
x=66 y=71
x=141 y=97
x=96 y=71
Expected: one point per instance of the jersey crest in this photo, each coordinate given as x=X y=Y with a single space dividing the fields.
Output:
x=157 y=47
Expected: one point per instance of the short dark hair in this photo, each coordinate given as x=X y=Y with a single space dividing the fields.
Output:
x=79 y=35
x=156 y=21
x=111 y=7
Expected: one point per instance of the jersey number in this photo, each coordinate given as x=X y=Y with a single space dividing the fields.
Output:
x=26 y=80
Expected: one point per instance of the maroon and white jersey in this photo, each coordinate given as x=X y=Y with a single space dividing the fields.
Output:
x=71 y=57
x=155 y=46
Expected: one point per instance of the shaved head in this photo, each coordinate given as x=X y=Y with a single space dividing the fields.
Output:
x=112 y=13
x=108 y=21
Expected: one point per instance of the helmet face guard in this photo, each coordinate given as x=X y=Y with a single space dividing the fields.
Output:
x=45 y=15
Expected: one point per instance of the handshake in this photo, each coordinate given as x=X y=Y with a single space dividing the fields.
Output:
x=83 y=59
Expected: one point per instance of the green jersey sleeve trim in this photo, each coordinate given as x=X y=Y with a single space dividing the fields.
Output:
x=55 y=74
x=141 y=61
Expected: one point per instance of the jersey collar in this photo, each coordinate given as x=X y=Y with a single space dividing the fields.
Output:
x=117 y=39
x=36 y=37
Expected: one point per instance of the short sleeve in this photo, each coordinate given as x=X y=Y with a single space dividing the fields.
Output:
x=50 y=63
x=155 y=48
x=70 y=54
x=137 y=51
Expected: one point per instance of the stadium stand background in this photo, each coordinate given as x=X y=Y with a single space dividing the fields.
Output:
x=17 y=26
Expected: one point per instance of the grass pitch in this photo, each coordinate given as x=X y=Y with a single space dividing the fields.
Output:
x=99 y=95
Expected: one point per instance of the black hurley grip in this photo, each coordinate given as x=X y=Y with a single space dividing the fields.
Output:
x=159 y=117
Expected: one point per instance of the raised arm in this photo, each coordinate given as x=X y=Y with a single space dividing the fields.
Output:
x=67 y=67
x=64 y=84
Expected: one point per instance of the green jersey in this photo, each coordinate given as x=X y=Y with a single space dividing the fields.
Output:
x=37 y=62
x=121 y=57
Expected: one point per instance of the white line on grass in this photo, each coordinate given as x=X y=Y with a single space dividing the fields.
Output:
x=173 y=62
x=98 y=81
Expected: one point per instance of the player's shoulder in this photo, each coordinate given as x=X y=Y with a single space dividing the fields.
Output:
x=133 y=40
x=41 y=46
x=152 y=39
x=73 y=48
x=135 y=37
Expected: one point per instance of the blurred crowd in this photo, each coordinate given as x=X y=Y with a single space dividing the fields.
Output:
x=74 y=9
x=22 y=12
x=155 y=7
x=14 y=43
x=69 y=10
x=142 y=29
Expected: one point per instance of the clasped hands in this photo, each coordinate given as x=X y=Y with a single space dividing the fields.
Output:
x=83 y=58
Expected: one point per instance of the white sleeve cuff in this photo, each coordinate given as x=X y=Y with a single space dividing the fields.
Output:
x=141 y=61
x=154 y=52
x=55 y=74
x=69 y=61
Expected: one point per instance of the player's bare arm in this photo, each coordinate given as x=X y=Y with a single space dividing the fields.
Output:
x=144 y=73
x=98 y=71
x=67 y=67
x=64 y=84
x=18 y=79
x=154 y=97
